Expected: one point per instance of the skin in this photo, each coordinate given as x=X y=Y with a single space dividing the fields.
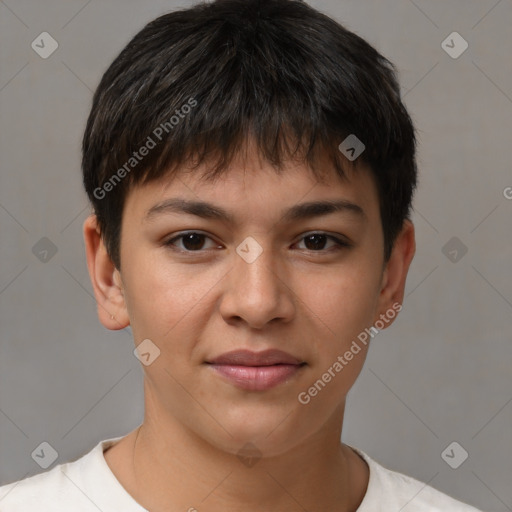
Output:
x=310 y=301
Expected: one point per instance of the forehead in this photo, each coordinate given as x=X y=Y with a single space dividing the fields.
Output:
x=250 y=188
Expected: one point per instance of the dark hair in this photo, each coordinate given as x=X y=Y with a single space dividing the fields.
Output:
x=193 y=85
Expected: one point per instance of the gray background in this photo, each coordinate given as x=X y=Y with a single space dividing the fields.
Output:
x=440 y=374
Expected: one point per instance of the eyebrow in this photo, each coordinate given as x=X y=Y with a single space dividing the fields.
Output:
x=209 y=211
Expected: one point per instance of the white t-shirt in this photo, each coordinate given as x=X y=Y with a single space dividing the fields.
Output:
x=88 y=485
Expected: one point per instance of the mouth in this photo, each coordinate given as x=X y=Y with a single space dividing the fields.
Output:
x=256 y=371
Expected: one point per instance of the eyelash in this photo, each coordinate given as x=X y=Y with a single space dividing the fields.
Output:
x=341 y=244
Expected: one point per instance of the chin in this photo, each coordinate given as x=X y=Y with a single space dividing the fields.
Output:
x=268 y=433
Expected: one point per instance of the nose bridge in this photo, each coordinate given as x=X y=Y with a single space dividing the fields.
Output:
x=256 y=292
x=255 y=267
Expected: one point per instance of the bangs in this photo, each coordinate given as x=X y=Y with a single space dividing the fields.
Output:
x=198 y=86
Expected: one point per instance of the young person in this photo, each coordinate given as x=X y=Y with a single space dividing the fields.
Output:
x=251 y=168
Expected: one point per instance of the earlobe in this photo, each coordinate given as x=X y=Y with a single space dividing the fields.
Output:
x=105 y=279
x=396 y=270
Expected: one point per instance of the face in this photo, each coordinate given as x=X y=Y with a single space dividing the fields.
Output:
x=256 y=268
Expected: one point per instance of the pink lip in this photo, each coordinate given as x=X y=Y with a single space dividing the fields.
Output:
x=256 y=371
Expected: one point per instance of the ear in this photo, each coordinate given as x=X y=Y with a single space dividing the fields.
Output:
x=105 y=279
x=395 y=271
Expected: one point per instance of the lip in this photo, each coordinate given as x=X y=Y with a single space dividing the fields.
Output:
x=256 y=371
x=249 y=358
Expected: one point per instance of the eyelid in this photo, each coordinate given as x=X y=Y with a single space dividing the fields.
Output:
x=340 y=240
x=181 y=234
x=333 y=236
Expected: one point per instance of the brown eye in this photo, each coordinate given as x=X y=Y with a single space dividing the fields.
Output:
x=190 y=242
x=193 y=241
x=317 y=242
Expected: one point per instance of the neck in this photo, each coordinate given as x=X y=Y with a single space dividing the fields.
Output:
x=167 y=466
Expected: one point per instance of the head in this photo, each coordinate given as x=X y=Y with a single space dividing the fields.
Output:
x=243 y=104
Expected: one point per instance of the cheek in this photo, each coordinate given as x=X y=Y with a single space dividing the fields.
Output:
x=343 y=301
x=339 y=309
x=165 y=300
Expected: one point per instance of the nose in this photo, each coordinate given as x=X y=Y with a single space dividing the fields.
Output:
x=257 y=292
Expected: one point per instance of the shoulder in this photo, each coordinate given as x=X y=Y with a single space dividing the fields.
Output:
x=57 y=489
x=41 y=491
x=389 y=490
